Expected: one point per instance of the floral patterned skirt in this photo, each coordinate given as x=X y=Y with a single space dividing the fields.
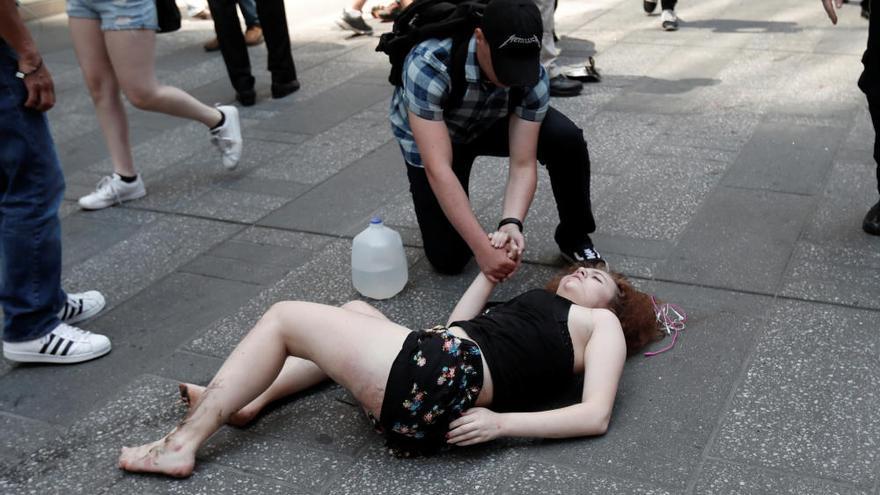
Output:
x=435 y=377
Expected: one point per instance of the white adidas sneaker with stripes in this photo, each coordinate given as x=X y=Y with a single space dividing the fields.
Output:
x=65 y=344
x=82 y=306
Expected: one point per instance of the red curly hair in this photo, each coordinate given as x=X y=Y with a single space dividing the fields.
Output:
x=633 y=308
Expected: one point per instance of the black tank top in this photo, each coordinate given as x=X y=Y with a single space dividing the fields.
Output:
x=528 y=350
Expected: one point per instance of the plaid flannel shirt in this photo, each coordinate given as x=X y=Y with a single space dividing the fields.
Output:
x=426 y=87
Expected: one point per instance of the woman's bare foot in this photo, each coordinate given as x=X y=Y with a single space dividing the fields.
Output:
x=190 y=395
x=164 y=457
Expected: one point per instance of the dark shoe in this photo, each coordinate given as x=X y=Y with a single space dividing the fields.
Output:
x=587 y=73
x=354 y=23
x=247 y=98
x=563 y=86
x=649 y=6
x=583 y=254
x=871 y=223
x=280 y=90
x=212 y=45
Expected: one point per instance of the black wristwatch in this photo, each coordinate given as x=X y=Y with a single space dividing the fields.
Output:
x=515 y=221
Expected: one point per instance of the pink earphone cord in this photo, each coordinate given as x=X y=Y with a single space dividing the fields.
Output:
x=673 y=319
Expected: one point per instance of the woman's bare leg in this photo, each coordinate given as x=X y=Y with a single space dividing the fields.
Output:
x=354 y=350
x=97 y=71
x=297 y=375
x=132 y=53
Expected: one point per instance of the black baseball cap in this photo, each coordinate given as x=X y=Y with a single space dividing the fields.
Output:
x=513 y=29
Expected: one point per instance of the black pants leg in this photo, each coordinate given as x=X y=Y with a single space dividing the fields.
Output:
x=668 y=4
x=235 y=55
x=561 y=148
x=869 y=82
x=232 y=46
x=273 y=19
x=445 y=249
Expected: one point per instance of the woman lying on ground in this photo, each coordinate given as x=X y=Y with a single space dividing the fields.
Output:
x=461 y=384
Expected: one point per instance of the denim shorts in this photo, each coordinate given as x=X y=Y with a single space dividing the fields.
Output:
x=116 y=15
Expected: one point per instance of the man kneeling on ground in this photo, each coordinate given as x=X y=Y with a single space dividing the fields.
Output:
x=503 y=111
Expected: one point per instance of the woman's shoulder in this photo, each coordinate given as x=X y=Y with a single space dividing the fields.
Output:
x=591 y=318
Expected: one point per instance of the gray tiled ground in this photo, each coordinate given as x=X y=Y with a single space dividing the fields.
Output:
x=731 y=166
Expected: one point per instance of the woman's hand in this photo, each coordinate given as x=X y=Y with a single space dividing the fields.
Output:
x=476 y=425
x=510 y=236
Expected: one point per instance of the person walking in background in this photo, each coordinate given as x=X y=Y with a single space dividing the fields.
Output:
x=273 y=20
x=869 y=83
x=668 y=19
x=37 y=313
x=115 y=45
x=560 y=85
x=253 y=33
x=352 y=19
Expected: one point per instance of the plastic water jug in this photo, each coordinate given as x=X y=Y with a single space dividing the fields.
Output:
x=378 y=263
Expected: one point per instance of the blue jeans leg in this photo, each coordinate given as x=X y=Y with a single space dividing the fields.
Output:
x=249 y=11
x=31 y=189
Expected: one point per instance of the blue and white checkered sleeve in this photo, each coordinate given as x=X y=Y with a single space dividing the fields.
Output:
x=424 y=86
x=536 y=100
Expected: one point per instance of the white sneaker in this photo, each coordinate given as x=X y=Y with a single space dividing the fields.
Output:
x=82 y=306
x=668 y=20
x=228 y=137
x=113 y=191
x=63 y=345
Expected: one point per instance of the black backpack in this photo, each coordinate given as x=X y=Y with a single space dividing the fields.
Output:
x=426 y=19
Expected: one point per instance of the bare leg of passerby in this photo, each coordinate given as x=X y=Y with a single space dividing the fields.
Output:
x=132 y=53
x=94 y=62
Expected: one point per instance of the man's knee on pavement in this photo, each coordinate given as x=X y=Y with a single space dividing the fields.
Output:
x=446 y=263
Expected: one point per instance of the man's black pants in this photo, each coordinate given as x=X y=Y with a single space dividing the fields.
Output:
x=869 y=83
x=274 y=23
x=561 y=147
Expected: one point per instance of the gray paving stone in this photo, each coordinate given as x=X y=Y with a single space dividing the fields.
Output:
x=325 y=420
x=323 y=209
x=376 y=471
x=144 y=332
x=667 y=405
x=155 y=251
x=319 y=280
x=328 y=153
x=739 y=239
x=20 y=436
x=833 y=274
x=800 y=408
x=729 y=478
x=849 y=193
x=287 y=462
x=85 y=234
x=536 y=477
x=785 y=158
x=329 y=108
x=208 y=480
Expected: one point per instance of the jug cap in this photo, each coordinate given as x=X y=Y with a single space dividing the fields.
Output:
x=375 y=220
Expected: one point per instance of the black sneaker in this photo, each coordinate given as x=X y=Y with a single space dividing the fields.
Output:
x=649 y=6
x=584 y=254
x=280 y=90
x=871 y=223
x=563 y=86
x=354 y=23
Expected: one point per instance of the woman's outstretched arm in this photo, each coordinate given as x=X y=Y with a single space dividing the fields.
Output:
x=604 y=356
x=473 y=300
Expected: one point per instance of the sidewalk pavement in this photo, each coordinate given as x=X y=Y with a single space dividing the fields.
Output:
x=731 y=169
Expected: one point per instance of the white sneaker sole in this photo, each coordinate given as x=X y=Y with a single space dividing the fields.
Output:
x=33 y=357
x=136 y=195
